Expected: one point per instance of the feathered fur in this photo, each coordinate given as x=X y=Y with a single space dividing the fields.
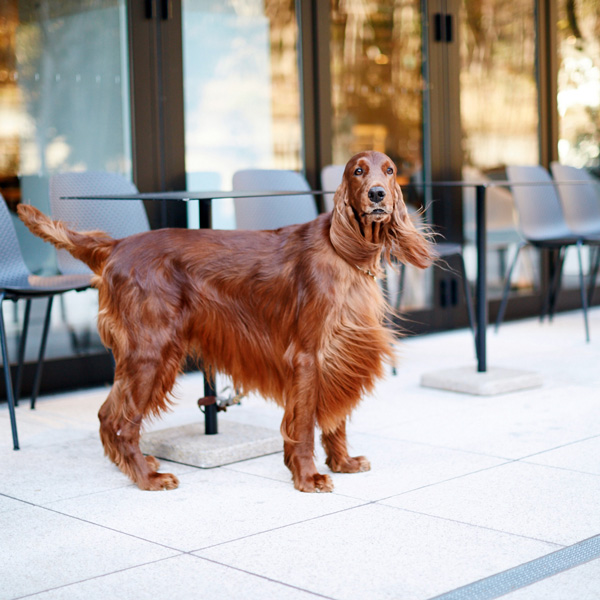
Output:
x=290 y=314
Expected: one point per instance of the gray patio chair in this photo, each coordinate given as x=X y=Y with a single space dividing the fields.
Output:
x=272 y=213
x=119 y=218
x=331 y=177
x=18 y=283
x=543 y=226
x=581 y=206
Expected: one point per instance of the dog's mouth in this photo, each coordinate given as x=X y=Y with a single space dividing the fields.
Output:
x=378 y=211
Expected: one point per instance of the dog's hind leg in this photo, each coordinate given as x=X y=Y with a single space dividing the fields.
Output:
x=336 y=448
x=140 y=388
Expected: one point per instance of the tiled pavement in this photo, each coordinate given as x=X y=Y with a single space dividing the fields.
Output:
x=462 y=488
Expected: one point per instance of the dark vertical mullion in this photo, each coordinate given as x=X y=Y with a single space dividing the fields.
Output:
x=171 y=108
x=445 y=141
x=305 y=15
x=547 y=76
x=323 y=78
x=315 y=85
x=156 y=84
x=143 y=92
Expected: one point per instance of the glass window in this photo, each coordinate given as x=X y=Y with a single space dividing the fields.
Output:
x=241 y=93
x=578 y=99
x=377 y=99
x=64 y=106
x=500 y=122
x=376 y=81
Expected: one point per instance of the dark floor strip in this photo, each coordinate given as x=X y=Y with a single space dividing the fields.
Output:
x=527 y=573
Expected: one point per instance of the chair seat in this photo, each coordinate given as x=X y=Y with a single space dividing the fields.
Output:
x=35 y=285
x=444 y=249
x=558 y=242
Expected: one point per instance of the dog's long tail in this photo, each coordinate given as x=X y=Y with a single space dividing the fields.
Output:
x=91 y=247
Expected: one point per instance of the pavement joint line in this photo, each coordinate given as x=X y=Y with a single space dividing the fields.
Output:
x=527 y=573
x=486 y=528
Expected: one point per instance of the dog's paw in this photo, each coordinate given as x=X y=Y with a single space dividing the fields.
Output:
x=159 y=481
x=314 y=483
x=356 y=464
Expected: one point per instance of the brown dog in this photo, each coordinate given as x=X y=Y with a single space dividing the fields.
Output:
x=294 y=314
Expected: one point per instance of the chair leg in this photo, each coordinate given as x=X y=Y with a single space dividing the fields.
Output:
x=504 y=301
x=468 y=301
x=400 y=286
x=40 y=364
x=583 y=294
x=551 y=300
x=7 y=379
x=468 y=297
x=385 y=288
x=22 y=344
x=593 y=275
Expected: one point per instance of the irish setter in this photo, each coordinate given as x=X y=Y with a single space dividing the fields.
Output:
x=295 y=314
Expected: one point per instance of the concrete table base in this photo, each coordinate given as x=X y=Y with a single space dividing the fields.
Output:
x=189 y=445
x=468 y=380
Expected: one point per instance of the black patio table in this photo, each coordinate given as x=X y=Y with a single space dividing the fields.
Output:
x=205 y=199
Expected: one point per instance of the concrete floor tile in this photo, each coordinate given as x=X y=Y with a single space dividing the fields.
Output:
x=579 y=456
x=9 y=504
x=64 y=470
x=531 y=500
x=40 y=550
x=396 y=466
x=378 y=552
x=179 y=578
x=210 y=507
x=511 y=426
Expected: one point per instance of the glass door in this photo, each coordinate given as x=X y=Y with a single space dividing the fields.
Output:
x=378 y=93
x=64 y=106
x=499 y=114
x=241 y=94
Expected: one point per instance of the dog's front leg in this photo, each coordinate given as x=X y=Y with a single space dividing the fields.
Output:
x=298 y=429
x=336 y=448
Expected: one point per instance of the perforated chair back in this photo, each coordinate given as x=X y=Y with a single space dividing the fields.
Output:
x=119 y=218
x=580 y=202
x=13 y=270
x=538 y=207
x=272 y=213
x=331 y=177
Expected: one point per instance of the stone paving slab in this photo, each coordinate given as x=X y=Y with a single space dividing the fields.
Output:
x=494 y=381
x=189 y=445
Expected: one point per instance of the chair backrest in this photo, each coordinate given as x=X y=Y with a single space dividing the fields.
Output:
x=331 y=177
x=538 y=206
x=272 y=213
x=39 y=256
x=119 y=218
x=501 y=218
x=13 y=270
x=580 y=202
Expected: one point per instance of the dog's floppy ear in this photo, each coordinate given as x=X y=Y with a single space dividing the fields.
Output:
x=404 y=241
x=340 y=198
x=342 y=208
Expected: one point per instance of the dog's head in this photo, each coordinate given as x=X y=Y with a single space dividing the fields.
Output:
x=370 y=216
x=371 y=188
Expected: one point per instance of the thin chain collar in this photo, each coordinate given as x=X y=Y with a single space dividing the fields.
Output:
x=367 y=272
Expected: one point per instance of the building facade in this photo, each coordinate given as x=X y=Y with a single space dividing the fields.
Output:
x=179 y=94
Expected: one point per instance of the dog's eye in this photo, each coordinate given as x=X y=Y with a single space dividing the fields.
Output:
x=358 y=171
x=390 y=171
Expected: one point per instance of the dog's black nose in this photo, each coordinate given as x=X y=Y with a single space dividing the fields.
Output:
x=376 y=194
